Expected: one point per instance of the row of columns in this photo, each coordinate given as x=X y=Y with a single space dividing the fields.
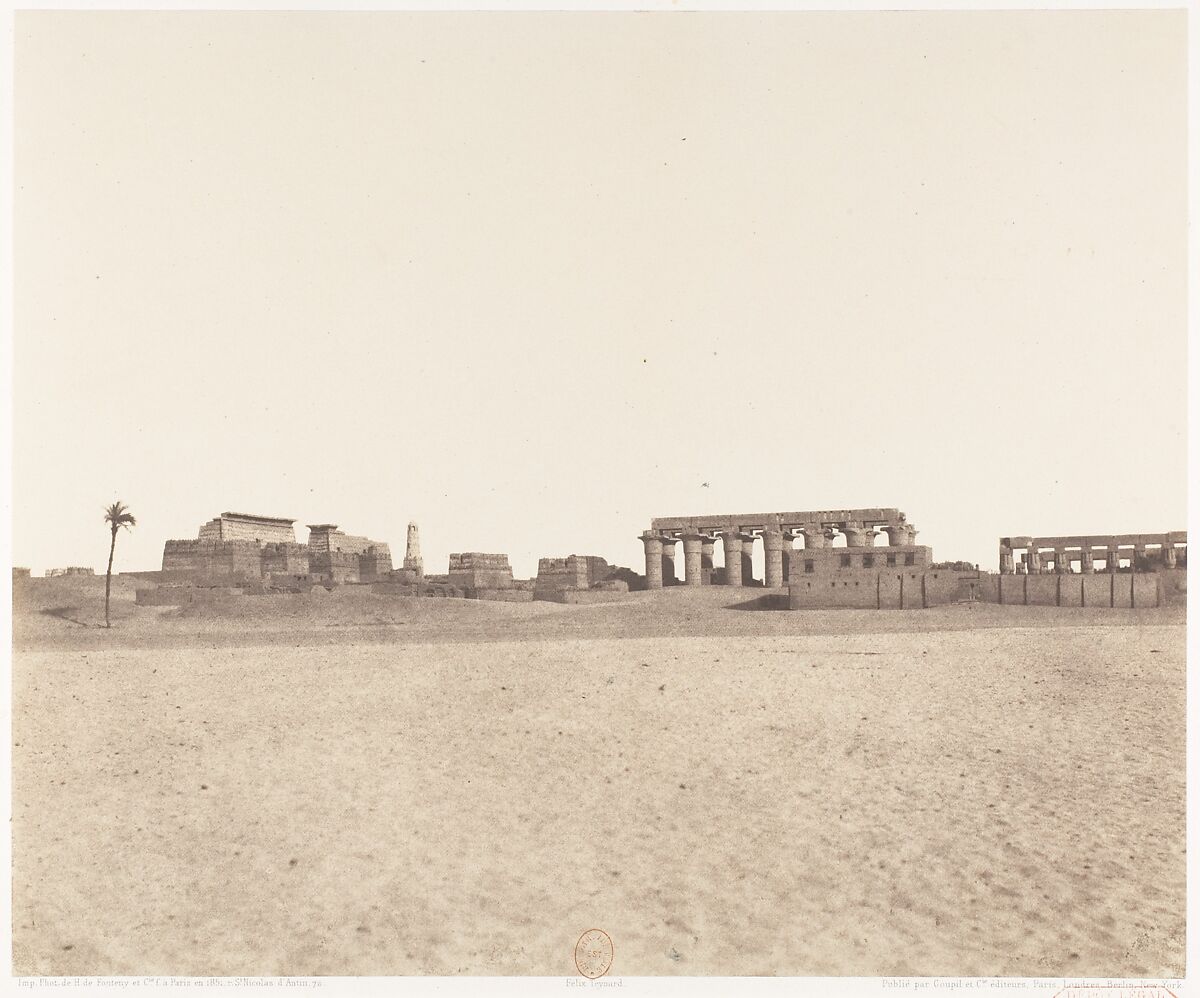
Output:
x=1035 y=562
x=739 y=548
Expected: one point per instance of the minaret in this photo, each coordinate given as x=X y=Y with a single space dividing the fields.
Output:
x=412 y=553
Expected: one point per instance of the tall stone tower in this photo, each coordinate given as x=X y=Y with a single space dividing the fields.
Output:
x=412 y=553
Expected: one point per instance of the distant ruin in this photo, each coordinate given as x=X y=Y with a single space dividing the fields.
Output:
x=832 y=558
x=566 y=580
x=412 y=552
x=821 y=559
x=242 y=547
x=1103 y=553
x=779 y=532
x=55 y=573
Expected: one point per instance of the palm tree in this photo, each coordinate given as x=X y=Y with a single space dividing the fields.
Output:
x=116 y=516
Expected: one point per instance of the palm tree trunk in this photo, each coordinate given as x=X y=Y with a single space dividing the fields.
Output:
x=108 y=576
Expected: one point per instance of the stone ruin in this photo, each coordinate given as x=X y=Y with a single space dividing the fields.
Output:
x=821 y=559
x=801 y=553
x=478 y=575
x=57 y=573
x=240 y=548
x=565 y=580
x=1103 y=553
x=339 y=557
x=738 y=533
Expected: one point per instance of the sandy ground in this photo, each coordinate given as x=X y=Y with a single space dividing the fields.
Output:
x=356 y=785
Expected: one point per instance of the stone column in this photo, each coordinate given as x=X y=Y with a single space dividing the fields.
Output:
x=1113 y=559
x=856 y=534
x=773 y=556
x=654 y=559
x=1006 y=560
x=910 y=534
x=815 y=537
x=1086 y=564
x=1061 y=565
x=692 y=560
x=1035 y=561
x=732 y=541
x=1169 y=558
x=786 y=556
x=668 y=560
x=706 y=560
x=896 y=533
x=747 y=559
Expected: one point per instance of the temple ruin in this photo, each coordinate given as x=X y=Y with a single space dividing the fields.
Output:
x=572 y=579
x=840 y=558
x=779 y=532
x=834 y=558
x=241 y=547
x=1092 y=553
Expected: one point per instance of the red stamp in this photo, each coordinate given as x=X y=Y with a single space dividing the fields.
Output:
x=594 y=953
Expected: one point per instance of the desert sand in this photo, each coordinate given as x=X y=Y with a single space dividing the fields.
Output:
x=350 y=784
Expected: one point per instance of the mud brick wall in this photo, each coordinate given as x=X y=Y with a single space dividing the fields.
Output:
x=505 y=595
x=576 y=571
x=334 y=566
x=284 y=559
x=865 y=589
x=181 y=595
x=476 y=570
x=395 y=589
x=213 y=559
x=375 y=563
x=850 y=590
x=807 y=564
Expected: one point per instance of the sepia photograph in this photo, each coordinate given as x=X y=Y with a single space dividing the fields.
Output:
x=661 y=498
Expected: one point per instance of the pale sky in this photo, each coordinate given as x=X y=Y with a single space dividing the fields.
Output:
x=533 y=279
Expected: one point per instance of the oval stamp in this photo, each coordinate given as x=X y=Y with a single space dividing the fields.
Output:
x=594 y=953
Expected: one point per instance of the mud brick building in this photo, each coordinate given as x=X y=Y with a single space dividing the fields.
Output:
x=238 y=548
x=475 y=570
x=341 y=557
x=575 y=573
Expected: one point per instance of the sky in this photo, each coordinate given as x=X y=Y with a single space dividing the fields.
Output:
x=530 y=280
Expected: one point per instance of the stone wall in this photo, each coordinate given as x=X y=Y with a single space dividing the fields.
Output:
x=241 y=527
x=323 y=537
x=54 y=573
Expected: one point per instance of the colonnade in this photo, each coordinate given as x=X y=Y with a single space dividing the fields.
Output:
x=738 y=546
x=1061 y=561
x=1057 y=556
